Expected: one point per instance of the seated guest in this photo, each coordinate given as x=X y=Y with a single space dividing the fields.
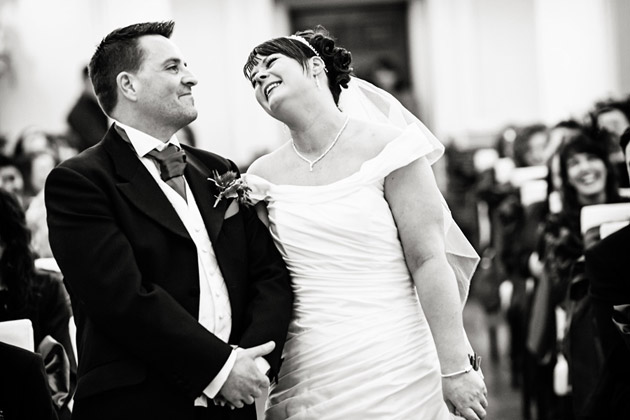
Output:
x=609 y=275
x=612 y=117
x=24 y=292
x=587 y=178
x=11 y=178
x=35 y=167
x=33 y=139
x=530 y=146
x=24 y=393
x=518 y=239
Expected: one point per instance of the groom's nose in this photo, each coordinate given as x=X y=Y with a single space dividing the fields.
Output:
x=189 y=78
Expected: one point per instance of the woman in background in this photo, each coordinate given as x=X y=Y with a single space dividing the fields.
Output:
x=587 y=178
x=28 y=294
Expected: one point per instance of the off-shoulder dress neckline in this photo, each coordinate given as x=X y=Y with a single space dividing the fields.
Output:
x=347 y=178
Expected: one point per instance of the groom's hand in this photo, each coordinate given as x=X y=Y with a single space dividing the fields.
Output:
x=246 y=382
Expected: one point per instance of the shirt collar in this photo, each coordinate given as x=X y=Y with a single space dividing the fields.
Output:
x=143 y=143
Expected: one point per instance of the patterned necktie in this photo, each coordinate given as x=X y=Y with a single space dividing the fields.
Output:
x=172 y=162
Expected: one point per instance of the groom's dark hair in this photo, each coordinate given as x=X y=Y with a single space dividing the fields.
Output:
x=119 y=51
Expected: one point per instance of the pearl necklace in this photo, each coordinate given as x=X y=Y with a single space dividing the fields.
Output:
x=313 y=162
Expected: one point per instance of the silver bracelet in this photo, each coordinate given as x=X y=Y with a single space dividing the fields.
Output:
x=475 y=364
x=459 y=372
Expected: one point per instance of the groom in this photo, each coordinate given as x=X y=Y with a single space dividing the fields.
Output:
x=164 y=285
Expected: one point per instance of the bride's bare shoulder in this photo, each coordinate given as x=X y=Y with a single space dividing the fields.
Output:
x=264 y=165
x=371 y=137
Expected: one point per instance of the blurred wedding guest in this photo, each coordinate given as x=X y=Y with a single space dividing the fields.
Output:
x=26 y=293
x=88 y=123
x=386 y=74
x=505 y=142
x=31 y=140
x=4 y=142
x=40 y=165
x=624 y=141
x=24 y=392
x=492 y=187
x=36 y=223
x=35 y=167
x=64 y=146
x=530 y=145
x=558 y=134
x=613 y=117
x=587 y=178
x=540 y=337
x=529 y=150
x=11 y=178
x=608 y=271
x=518 y=242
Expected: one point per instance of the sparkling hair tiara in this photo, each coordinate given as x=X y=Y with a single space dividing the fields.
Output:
x=308 y=44
x=305 y=42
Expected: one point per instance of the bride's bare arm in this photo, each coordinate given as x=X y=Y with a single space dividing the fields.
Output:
x=415 y=201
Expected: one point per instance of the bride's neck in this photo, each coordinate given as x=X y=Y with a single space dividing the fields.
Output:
x=313 y=133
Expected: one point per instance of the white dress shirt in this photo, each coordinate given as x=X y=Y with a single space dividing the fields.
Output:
x=215 y=313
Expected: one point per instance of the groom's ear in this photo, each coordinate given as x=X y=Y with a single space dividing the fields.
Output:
x=126 y=83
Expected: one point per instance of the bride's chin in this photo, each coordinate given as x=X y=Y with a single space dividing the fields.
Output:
x=273 y=108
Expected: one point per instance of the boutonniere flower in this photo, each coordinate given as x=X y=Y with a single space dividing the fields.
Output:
x=230 y=185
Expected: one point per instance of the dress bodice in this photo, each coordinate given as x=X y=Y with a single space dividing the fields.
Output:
x=347 y=226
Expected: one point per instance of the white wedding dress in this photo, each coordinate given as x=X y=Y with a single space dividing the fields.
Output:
x=359 y=346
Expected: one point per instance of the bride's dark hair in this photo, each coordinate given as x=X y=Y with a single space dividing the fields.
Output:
x=337 y=59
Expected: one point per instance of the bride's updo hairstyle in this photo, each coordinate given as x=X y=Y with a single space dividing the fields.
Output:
x=337 y=59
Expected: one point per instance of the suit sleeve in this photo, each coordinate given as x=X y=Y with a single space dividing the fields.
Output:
x=607 y=270
x=40 y=404
x=56 y=314
x=139 y=317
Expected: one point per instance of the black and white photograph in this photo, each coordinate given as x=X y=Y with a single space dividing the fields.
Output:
x=314 y=209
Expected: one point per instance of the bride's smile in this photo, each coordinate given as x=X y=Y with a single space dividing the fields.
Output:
x=271 y=87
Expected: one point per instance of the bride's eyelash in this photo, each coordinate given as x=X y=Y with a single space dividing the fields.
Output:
x=268 y=63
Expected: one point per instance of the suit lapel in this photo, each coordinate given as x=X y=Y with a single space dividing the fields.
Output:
x=139 y=186
x=197 y=176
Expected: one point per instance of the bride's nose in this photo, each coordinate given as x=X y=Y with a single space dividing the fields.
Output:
x=260 y=77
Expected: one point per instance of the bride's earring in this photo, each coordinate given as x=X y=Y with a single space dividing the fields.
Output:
x=319 y=87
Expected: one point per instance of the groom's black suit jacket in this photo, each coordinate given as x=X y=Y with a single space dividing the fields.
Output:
x=132 y=272
x=608 y=271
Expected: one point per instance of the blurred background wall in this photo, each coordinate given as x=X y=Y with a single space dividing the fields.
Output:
x=470 y=67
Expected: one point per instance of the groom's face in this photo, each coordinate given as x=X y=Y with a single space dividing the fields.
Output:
x=165 y=83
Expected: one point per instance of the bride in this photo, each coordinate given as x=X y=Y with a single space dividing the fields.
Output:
x=354 y=208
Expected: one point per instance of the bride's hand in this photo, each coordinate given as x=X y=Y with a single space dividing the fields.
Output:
x=468 y=394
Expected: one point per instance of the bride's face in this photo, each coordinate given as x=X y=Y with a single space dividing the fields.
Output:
x=276 y=79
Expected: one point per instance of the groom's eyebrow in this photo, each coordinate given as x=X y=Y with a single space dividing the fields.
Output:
x=174 y=60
